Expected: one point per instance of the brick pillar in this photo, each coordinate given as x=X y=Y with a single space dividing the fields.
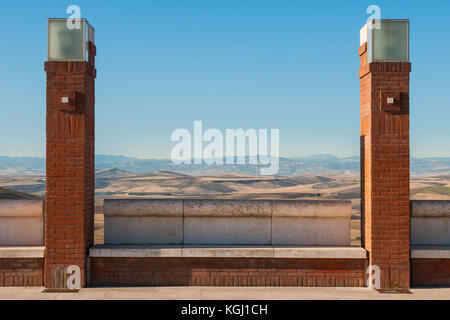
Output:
x=385 y=168
x=69 y=214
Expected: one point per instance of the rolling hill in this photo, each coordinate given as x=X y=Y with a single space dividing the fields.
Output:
x=16 y=195
x=323 y=164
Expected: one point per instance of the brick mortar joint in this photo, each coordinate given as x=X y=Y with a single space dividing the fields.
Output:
x=71 y=66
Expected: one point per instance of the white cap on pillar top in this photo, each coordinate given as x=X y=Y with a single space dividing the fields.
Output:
x=67 y=39
x=387 y=40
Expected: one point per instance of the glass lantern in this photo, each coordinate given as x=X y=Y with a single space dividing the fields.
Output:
x=387 y=40
x=67 y=39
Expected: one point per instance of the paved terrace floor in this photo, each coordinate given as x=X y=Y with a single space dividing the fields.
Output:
x=223 y=293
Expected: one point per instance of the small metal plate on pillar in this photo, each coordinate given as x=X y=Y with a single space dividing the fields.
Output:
x=389 y=102
x=394 y=102
x=69 y=101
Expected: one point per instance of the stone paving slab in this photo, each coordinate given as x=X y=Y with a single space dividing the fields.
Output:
x=223 y=293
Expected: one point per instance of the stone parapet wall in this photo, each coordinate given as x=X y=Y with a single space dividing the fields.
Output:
x=228 y=222
x=430 y=222
x=21 y=223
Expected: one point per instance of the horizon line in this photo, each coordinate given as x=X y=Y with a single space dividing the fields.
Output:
x=280 y=157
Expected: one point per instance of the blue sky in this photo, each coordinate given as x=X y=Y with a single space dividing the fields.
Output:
x=290 y=65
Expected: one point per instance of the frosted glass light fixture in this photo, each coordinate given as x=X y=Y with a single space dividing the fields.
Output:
x=387 y=40
x=68 y=41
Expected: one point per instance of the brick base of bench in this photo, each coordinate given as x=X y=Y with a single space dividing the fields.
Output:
x=21 y=272
x=430 y=272
x=167 y=271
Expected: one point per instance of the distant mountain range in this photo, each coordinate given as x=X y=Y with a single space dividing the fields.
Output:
x=311 y=165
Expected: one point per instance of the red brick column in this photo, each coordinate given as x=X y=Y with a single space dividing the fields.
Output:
x=385 y=168
x=69 y=214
